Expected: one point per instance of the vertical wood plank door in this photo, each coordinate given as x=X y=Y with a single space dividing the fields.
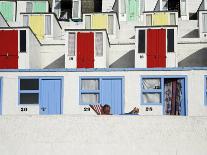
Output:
x=50 y=97
x=156 y=48
x=9 y=49
x=85 y=50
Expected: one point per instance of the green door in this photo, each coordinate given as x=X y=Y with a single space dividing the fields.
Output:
x=7 y=10
x=39 y=6
x=133 y=9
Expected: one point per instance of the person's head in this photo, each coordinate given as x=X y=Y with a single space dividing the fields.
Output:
x=106 y=109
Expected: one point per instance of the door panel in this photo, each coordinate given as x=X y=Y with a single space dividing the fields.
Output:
x=39 y=6
x=151 y=48
x=99 y=21
x=161 y=62
x=50 y=97
x=85 y=50
x=132 y=12
x=37 y=25
x=112 y=94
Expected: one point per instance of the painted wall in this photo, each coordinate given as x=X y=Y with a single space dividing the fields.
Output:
x=132 y=91
x=119 y=135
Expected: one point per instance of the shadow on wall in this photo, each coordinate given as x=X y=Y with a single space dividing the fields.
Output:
x=197 y=59
x=58 y=63
x=192 y=34
x=126 y=61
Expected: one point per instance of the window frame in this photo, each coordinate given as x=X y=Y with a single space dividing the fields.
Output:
x=28 y=91
x=75 y=43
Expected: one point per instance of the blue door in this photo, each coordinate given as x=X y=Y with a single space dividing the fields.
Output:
x=111 y=94
x=50 y=96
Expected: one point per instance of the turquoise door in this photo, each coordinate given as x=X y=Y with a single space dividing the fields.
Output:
x=132 y=10
x=50 y=96
x=111 y=94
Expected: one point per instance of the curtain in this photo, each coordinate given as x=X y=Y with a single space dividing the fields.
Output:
x=99 y=44
x=71 y=49
x=172 y=19
x=90 y=98
x=110 y=24
x=90 y=84
x=204 y=22
x=151 y=97
x=88 y=22
x=48 y=25
x=151 y=84
x=173 y=96
x=29 y=7
x=25 y=20
x=148 y=20
x=75 y=9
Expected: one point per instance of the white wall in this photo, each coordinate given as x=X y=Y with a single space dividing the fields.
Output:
x=132 y=95
x=103 y=135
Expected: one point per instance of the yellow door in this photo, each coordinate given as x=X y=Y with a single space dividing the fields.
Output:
x=160 y=18
x=36 y=23
x=99 y=21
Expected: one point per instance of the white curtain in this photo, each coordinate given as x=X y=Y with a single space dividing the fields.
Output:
x=75 y=9
x=183 y=7
x=48 y=25
x=151 y=84
x=25 y=20
x=90 y=84
x=152 y=97
x=123 y=7
x=88 y=22
x=71 y=44
x=172 y=19
x=148 y=20
x=29 y=7
x=110 y=24
x=89 y=98
x=204 y=22
x=99 y=44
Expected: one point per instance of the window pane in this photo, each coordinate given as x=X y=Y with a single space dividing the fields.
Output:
x=29 y=84
x=204 y=22
x=152 y=97
x=29 y=7
x=23 y=41
x=90 y=84
x=99 y=44
x=164 y=5
x=170 y=40
x=29 y=98
x=183 y=8
x=75 y=9
x=123 y=7
x=110 y=24
x=25 y=20
x=148 y=20
x=151 y=84
x=71 y=48
x=90 y=98
x=48 y=25
x=141 y=46
x=172 y=19
x=88 y=22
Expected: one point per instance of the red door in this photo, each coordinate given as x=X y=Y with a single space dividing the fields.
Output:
x=156 y=48
x=8 y=49
x=85 y=50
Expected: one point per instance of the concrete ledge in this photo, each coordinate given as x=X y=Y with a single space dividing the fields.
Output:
x=23 y=135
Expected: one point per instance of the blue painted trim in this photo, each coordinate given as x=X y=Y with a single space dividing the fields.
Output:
x=39 y=91
x=100 y=78
x=162 y=89
x=1 y=94
x=104 y=69
x=205 y=90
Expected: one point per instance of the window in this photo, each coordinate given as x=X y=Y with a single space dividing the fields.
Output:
x=205 y=90
x=23 y=42
x=141 y=41
x=71 y=44
x=170 y=40
x=164 y=5
x=110 y=24
x=172 y=19
x=151 y=91
x=204 y=22
x=25 y=20
x=47 y=25
x=99 y=44
x=29 y=91
x=149 y=20
x=90 y=91
x=75 y=9
x=29 y=7
x=88 y=22
x=123 y=7
x=183 y=8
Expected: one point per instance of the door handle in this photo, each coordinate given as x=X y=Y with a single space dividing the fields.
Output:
x=7 y=54
x=43 y=108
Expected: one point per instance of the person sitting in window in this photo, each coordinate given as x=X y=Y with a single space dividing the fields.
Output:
x=101 y=110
